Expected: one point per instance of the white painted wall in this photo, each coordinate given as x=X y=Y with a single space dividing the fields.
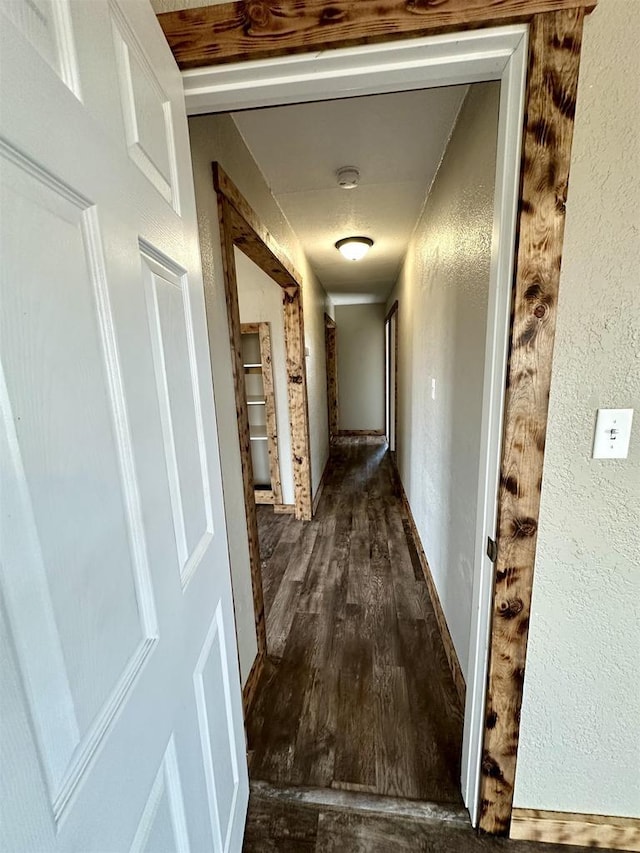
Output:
x=216 y=138
x=260 y=301
x=360 y=345
x=442 y=303
x=580 y=733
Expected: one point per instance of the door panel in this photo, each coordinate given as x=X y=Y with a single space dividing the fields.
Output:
x=172 y=338
x=146 y=111
x=122 y=723
x=215 y=719
x=163 y=825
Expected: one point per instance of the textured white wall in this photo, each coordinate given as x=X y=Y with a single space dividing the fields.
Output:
x=260 y=301
x=360 y=345
x=217 y=138
x=580 y=735
x=442 y=303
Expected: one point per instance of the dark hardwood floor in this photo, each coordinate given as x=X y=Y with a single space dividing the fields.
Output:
x=356 y=693
x=275 y=826
x=356 y=700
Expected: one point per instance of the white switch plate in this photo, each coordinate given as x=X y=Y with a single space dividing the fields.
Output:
x=613 y=431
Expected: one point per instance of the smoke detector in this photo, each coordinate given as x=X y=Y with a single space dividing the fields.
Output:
x=348 y=177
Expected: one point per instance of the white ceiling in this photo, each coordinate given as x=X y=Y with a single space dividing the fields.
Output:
x=396 y=141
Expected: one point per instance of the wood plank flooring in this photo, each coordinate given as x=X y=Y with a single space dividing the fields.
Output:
x=356 y=693
x=277 y=826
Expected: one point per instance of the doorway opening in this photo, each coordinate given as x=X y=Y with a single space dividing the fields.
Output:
x=331 y=357
x=504 y=60
x=391 y=376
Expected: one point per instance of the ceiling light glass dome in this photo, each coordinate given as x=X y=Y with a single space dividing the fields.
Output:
x=354 y=248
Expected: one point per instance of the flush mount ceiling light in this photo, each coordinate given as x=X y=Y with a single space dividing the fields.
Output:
x=354 y=248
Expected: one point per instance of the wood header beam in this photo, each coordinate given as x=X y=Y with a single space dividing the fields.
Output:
x=252 y=237
x=258 y=29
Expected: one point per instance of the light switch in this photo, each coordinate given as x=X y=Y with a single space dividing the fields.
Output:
x=433 y=389
x=613 y=431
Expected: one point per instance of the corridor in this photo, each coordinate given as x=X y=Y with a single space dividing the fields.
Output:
x=356 y=694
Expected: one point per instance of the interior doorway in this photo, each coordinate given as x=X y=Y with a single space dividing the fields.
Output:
x=391 y=375
x=331 y=357
x=489 y=55
x=240 y=228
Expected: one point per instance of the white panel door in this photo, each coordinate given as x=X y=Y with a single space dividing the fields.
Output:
x=121 y=722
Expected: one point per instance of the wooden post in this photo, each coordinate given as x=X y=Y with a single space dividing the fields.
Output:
x=554 y=60
x=297 y=391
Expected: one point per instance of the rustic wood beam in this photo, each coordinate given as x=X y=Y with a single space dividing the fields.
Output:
x=256 y=29
x=298 y=404
x=252 y=237
x=554 y=60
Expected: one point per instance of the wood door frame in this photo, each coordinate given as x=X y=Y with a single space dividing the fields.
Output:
x=274 y=494
x=392 y=314
x=331 y=358
x=229 y=32
x=239 y=226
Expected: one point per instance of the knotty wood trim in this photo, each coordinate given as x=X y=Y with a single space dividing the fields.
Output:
x=235 y=340
x=270 y=411
x=252 y=237
x=242 y=227
x=249 y=689
x=256 y=29
x=284 y=509
x=441 y=619
x=582 y=830
x=331 y=350
x=554 y=59
x=345 y=433
x=264 y=496
x=298 y=405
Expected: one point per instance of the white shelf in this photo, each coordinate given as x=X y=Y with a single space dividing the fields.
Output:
x=249 y=366
x=258 y=433
x=255 y=400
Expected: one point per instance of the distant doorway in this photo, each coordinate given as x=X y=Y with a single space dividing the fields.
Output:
x=332 y=374
x=391 y=375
